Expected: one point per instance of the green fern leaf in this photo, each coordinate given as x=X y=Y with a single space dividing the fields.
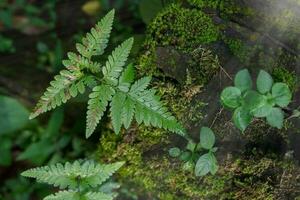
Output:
x=115 y=108
x=63 y=195
x=96 y=41
x=116 y=61
x=148 y=108
x=97 y=104
x=54 y=174
x=129 y=99
x=128 y=112
x=140 y=85
x=88 y=173
x=78 y=61
x=58 y=92
x=104 y=172
x=97 y=196
x=126 y=78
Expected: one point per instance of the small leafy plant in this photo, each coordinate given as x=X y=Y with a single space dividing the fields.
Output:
x=81 y=180
x=267 y=102
x=202 y=164
x=111 y=85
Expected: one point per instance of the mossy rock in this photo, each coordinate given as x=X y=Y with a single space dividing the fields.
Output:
x=182 y=29
x=257 y=168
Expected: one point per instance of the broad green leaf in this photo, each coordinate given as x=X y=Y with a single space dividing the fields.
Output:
x=231 y=97
x=55 y=122
x=191 y=146
x=37 y=152
x=262 y=111
x=207 y=138
x=214 y=164
x=206 y=163
x=243 y=80
x=241 y=118
x=5 y=151
x=275 y=118
x=282 y=94
x=13 y=115
x=215 y=149
x=185 y=156
x=264 y=82
x=253 y=100
x=203 y=165
x=174 y=152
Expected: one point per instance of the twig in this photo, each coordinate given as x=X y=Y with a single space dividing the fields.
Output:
x=226 y=73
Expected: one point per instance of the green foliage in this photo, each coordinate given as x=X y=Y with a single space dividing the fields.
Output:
x=281 y=74
x=13 y=115
x=5 y=149
x=40 y=150
x=249 y=103
x=182 y=28
x=110 y=83
x=202 y=164
x=174 y=152
x=78 y=178
x=243 y=80
x=6 y=45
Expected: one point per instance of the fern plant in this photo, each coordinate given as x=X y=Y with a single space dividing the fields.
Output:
x=81 y=180
x=112 y=84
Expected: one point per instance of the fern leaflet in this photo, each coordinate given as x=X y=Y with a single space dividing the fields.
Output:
x=58 y=92
x=97 y=196
x=97 y=104
x=63 y=195
x=116 y=61
x=96 y=41
x=115 y=108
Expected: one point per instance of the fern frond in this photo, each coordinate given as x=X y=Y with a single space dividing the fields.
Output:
x=96 y=41
x=58 y=92
x=67 y=176
x=116 y=61
x=149 y=109
x=97 y=196
x=63 y=195
x=56 y=175
x=115 y=107
x=97 y=104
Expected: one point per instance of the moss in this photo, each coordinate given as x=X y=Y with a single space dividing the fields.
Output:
x=180 y=101
x=226 y=7
x=255 y=174
x=245 y=53
x=182 y=28
x=281 y=74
